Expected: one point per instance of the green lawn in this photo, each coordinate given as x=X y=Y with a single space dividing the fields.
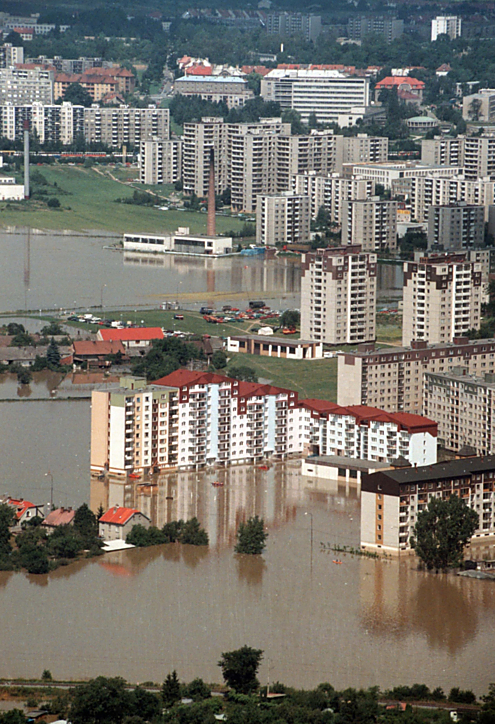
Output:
x=192 y=322
x=309 y=378
x=90 y=204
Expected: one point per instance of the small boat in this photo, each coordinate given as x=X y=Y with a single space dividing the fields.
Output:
x=338 y=563
x=217 y=484
x=134 y=476
x=263 y=467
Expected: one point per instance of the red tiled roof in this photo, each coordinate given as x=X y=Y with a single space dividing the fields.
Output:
x=135 y=333
x=182 y=378
x=199 y=70
x=118 y=516
x=20 y=505
x=98 y=347
x=364 y=414
x=60 y=516
x=397 y=80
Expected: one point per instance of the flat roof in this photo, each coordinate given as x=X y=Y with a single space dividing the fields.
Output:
x=341 y=461
x=211 y=79
x=272 y=338
x=440 y=471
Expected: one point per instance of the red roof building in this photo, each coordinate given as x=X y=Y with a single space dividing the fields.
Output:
x=24 y=510
x=60 y=516
x=131 y=338
x=117 y=522
x=95 y=353
x=401 y=83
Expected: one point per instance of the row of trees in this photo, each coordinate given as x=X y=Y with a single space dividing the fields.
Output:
x=111 y=701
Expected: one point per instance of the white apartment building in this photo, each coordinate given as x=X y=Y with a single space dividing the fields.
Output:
x=330 y=191
x=188 y=420
x=234 y=91
x=160 y=161
x=450 y=25
x=372 y=223
x=20 y=86
x=338 y=295
x=326 y=93
x=463 y=405
x=428 y=191
x=442 y=298
x=392 y=379
x=124 y=125
x=282 y=218
x=479 y=156
x=10 y=55
x=479 y=106
x=392 y=175
x=197 y=140
x=443 y=151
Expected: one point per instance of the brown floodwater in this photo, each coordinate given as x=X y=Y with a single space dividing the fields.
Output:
x=141 y=613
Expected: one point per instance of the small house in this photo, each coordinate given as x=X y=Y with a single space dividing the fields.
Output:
x=117 y=522
x=58 y=517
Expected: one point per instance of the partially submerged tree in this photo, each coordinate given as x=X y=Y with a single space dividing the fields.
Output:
x=251 y=537
x=442 y=532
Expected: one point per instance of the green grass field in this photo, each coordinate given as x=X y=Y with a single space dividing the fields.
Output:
x=91 y=198
x=193 y=322
x=310 y=378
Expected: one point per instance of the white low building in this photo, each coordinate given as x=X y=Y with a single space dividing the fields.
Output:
x=179 y=243
x=9 y=190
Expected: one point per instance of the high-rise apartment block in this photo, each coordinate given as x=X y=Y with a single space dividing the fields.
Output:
x=189 y=420
x=160 y=161
x=392 y=379
x=464 y=407
x=455 y=227
x=450 y=25
x=443 y=151
x=479 y=156
x=330 y=191
x=198 y=139
x=286 y=23
x=338 y=295
x=324 y=93
x=10 y=55
x=360 y=149
x=51 y=123
x=429 y=191
x=360 y=26
x=125 y=125
x=21 y=86
x=442 y=298
x=371 y=222
x=479 y=106
x=475 y=154
x=282 y=218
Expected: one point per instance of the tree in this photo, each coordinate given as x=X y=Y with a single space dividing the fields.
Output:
x=7 y=517
x=171 y=689
x=290 y=318
x=442 y=531
x=197 y=690
x=53 y=355
x=53 y=203
x=193 y=534
x=77 y=95
x=251 y=537
x=46 y=675
x=243 y=372
x=474 y=109
x=239 y=669
x=100 y=701
x=24 y=376
x=13 y=329
x=85 y=522
x=218 y=359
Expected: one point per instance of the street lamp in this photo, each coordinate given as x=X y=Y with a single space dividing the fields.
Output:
x=101 y=295
x=48 y=474
x=311 y=535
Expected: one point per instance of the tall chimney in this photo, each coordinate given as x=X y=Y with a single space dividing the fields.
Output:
x=26 y=159
x=210 y=224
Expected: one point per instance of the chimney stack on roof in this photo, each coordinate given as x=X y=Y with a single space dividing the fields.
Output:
x=210 y=224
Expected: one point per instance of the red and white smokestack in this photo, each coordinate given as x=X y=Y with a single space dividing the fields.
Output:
x=210 y=224
x=26 y=159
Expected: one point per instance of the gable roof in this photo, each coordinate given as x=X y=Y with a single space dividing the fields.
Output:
x=60 y=516
x=364 y=415
x=119 y=516
x=132 y=334
x=20 y=505
x=98 y=347
x=187 y=378
x=398 y=80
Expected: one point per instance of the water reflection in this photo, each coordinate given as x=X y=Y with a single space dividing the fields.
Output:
x=220 y=499
x=398 y=600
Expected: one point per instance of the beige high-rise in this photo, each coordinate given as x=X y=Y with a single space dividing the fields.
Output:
x=338 y=295
x=282 y=218
x=442 y=298
x=371 y=223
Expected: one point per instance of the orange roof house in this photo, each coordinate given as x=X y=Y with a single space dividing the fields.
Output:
x=401 y=83
x=117 y=522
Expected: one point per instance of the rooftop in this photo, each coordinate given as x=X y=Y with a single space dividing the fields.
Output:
x=345 y=462
x=440 y=471
x=118 y=515
x=132 y=334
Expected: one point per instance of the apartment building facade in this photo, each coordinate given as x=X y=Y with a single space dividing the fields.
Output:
x=10 y=55
x=197 y=140
x=371 y=222
x=282 y=218
x=450 y=25
x=359 y=149
x=442 y=298
x=330 y=191
x=464 y=407
x=338 y=295
x=429 y=191
x=234 y=91
x=455 y=227
x=443 y=151
x=479 y=156
x=189 y=420
x=124 y=125
x=21 y=86
x=325 y=93
x=286 y=23
x=160 y=161
x=392 y=499
x=360 y=26
x=393 y=379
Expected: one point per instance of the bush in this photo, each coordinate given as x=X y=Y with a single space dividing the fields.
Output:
x=251 y=537
x=53 y=203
